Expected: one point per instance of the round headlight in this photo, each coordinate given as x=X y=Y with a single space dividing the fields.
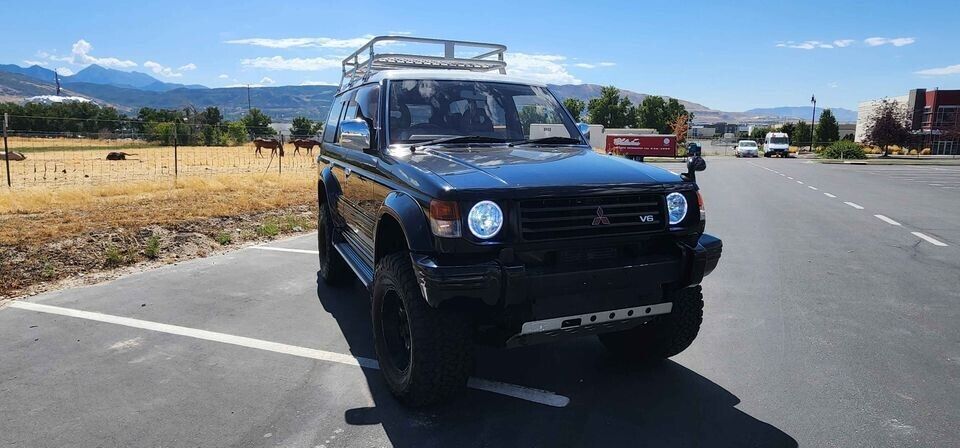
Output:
x=485 y=219
x=677 y=207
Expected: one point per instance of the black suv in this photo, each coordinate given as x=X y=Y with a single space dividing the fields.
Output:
x=465 y=229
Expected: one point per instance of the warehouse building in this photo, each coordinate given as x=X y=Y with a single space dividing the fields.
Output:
x=933 y=115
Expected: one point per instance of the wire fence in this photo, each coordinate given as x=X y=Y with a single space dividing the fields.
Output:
x=34 y=157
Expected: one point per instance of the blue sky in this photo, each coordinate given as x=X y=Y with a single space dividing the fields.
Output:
x=726 y=55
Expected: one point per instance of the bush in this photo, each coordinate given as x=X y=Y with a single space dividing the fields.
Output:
x=152 y=249
x=224 y=238
x=843 y=150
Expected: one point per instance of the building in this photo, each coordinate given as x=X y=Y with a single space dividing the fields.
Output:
x=931 y=114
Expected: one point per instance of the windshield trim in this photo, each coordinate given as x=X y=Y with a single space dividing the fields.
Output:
x=386 y=94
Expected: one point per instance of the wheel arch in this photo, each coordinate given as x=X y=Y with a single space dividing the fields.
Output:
x=402 y=225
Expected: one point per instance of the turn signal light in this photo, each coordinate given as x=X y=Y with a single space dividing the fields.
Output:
x=703 y=211
x=445 y=219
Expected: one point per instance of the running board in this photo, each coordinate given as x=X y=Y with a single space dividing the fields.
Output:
x=353 y=259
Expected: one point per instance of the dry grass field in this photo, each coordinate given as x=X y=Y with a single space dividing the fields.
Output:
x=68 y=161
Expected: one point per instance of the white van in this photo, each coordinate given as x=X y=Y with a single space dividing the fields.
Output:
x=776 y=143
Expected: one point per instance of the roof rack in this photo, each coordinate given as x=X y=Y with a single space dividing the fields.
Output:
x=357 y=68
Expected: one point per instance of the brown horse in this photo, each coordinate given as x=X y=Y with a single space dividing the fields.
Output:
x=12 y=156
x=118 y=155
x=306 y=143
x=271 y=144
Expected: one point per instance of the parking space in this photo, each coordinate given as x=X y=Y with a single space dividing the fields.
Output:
x=939 y=177
x=819 y=321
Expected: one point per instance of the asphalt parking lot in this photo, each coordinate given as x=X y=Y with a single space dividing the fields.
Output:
x=831 y=321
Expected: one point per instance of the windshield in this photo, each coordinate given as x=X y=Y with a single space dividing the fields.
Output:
x=423 y=110
x=779 y=140
x=748 y=144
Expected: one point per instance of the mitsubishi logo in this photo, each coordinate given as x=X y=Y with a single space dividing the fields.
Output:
x=601 y=218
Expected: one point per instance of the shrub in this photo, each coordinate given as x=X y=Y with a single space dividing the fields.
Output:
x=268 y=229
x=925 y=152
x=224 y=238
x=113 y=256
x=152 y=250
x=843 y=150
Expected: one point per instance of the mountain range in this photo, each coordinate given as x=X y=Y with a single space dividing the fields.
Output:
x=129 y=91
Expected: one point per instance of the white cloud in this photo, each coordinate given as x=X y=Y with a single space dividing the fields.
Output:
x=895 y=41
x=296 y=64
x=80 y=55
x=223 y=76
x=303 y=42
x=584 y=65
x=540 y=67
x=399 y=33
x=188 y=67
x=805 y=45
x=64 y=71
x=841 y=43
x=589 y=65
x=833 y=85
x=267 y=81
x=161 y=70
x=607 y=64
x=318 y=83
x=940 y=71
x=31 y=62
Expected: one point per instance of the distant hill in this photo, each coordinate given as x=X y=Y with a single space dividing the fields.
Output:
x=803 y=113
x=96 y=74
x=15 y=87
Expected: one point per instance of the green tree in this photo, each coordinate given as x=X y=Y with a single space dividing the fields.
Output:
x=575 y=106
x=790 y=129
x=827 y=129
x=611 y=110
x=303 y=127
x=759 y=132
x=258 y=123
x=236 y=133
x=652 y=113
x=888 y=126
x=802 y=133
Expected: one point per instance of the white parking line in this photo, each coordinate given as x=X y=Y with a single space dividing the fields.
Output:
x=782 y=174
x=887 y=220
x=284 y=249
x=856 y=206
x=829 y=195
x=788 y=177
x=511 y=390
x=801 y=183
x=929 y=239
x=811 y=187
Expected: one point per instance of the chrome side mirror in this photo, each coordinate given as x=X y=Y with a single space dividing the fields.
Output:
x=584 y=130
x=355 y=134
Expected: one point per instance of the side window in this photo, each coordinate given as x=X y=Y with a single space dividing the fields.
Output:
x=333 y=120
x=351 y=112
x=368 y=101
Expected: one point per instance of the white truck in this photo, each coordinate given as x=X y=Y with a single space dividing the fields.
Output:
x=776 y=143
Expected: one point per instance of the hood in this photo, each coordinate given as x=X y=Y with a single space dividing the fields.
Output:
x=486 y=168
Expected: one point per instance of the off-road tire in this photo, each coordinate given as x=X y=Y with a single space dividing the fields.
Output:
x=333 y=269
x=663 y=337
x=440 y=340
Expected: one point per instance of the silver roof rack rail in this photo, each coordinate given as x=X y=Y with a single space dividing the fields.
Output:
x=364 y=62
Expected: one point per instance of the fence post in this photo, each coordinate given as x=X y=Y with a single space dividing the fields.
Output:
x=176 y=170
x=280 y=153
x=6 y=150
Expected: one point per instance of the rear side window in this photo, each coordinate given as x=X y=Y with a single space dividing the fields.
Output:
x=333 y=120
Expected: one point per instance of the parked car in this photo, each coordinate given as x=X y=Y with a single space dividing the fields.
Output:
x=465 y=230
x=746 y=148
x=776 y=144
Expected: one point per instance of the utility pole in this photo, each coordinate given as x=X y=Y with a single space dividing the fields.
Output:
x=56 y=77
x=6 y=150
x=248 y=98
x=813 y=123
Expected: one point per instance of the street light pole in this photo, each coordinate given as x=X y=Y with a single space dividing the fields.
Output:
x=813 y=124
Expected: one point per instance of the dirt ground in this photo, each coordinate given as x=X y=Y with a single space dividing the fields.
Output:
x=85 y=233
x=69 y=161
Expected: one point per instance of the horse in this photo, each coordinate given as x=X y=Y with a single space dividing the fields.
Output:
x=271 y=144
x=118 y=155
x=13 y=155
x=307 y=143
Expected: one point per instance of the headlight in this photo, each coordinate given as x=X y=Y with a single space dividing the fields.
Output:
x=485 y=219
x=676 y=207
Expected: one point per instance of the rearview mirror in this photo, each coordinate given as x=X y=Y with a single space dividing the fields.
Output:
x=355 y=134
x=584 y=130
x=694 y=163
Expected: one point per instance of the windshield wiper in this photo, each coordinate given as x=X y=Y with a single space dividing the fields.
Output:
x=546 y=141
x=459 y=139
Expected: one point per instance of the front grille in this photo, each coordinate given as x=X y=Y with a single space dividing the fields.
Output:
x=557 y=218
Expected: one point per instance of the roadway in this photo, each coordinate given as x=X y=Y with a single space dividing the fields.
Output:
x=831 y=321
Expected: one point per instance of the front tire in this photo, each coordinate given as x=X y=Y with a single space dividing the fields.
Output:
x=333 y=269
x=425 y=353
x=663 y=337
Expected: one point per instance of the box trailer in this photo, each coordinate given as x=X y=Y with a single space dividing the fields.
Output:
x=636 y=147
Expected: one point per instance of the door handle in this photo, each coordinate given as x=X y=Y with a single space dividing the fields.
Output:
x=347 y=171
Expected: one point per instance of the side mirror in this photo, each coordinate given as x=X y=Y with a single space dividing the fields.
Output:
x=584 y=130
x=355 y=134
x=694 y=164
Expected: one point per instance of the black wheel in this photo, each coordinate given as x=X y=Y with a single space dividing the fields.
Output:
x=425 y=353
x=333 y=268
x=663 y=337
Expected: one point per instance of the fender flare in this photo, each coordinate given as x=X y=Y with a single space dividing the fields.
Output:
x=327 y=183
x=413 y=222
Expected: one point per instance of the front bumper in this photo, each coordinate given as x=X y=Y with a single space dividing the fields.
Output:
x=526 y=296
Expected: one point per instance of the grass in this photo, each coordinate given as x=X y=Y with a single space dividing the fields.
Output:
x=224 y=238
x=152 y=249
x=39 y=215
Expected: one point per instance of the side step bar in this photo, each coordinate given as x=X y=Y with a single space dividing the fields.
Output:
x=360 y=267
